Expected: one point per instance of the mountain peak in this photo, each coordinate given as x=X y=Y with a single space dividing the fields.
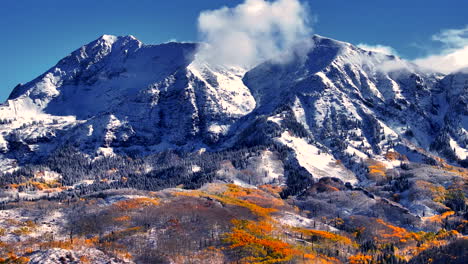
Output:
x=319 y=38
x=108 y=38
x=111 y=39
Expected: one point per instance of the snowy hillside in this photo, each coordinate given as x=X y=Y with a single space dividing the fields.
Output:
x=117 y=93
x=335 y=110
x=360 y=105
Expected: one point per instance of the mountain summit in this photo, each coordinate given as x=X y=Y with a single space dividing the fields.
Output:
x=333 y=109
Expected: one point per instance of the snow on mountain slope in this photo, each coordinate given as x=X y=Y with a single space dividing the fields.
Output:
x=342 y=105
x=453 y=104
x=118 y=92
x=316 y=162
x=360 y=104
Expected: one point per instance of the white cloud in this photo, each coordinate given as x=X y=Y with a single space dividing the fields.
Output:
x=379 y=48
x=454 y=55
x=453 y=38
x=252 y=31
x=257 y=30
x=446 y=63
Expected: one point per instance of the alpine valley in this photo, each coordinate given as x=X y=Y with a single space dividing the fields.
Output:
x=132 y=153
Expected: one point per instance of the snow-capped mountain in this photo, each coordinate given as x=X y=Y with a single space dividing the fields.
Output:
x=333 y=109
x=361 y=105
x=116 y=92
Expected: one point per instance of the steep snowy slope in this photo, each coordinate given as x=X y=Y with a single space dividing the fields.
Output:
x=336 y=110
x=117 y=92
x=453 y=138
x=358 y=104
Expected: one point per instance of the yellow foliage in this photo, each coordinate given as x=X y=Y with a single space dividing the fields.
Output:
x=38 y=185
x=272 y=189
x=257 y=196
x=438 y=192
x=233 y=197
x=360 y=259
x=392 y=155
x=444 y=234
x=69 y=244
x=254 y=240
x=431 y=240
x=439 y=218
x=319 y=259
x=115 y=235
x=24 y=230
x=13 y=258
x=123 y=218
x=136 y=203
x=325 y=235
x=462 y=172
x=376 y=168
x=395 y=232
x=116 y=249
x=58 y=244
x=85 y=260
x=29 y=224
x=258 y=210
x=13 y=222
x=79 y=243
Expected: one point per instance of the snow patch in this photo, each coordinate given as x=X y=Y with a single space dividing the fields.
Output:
x=315 y=161
x=196 y=168
x=461 y=153
x=106 y=152
x=295 y=220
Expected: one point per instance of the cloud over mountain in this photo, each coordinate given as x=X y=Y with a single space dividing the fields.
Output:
x=454 y=55
x=378 y=48
x=252 y=31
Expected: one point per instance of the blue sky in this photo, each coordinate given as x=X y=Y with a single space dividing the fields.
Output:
x=36 y=34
